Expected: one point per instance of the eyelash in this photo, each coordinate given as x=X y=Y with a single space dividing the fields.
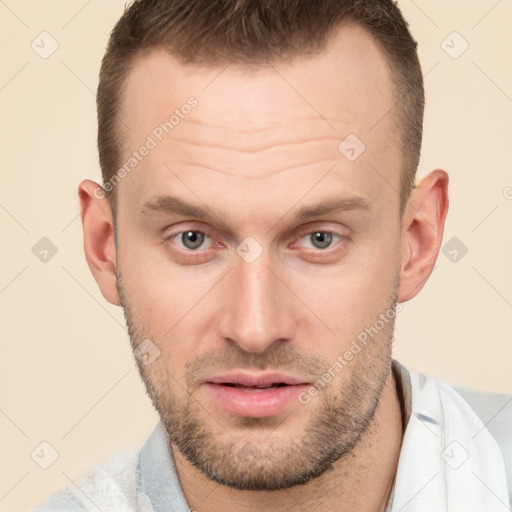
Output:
x=200 y=252
x=309 y=231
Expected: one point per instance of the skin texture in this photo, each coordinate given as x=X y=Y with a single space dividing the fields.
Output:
x=261 y=144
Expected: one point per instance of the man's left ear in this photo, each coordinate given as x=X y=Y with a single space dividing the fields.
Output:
x=422 y=232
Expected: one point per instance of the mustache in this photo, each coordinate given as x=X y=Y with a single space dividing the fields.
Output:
x=277 y=357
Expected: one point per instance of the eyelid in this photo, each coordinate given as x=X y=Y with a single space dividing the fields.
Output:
x=322 y=227
x=303 y=231
x=171 y=236
x=318 y=229
x=331 y=247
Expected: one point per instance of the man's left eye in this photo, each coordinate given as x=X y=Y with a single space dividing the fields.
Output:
x=320 y=239
x=191 y=239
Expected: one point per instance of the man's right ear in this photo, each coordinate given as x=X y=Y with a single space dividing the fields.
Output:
x=99 y=246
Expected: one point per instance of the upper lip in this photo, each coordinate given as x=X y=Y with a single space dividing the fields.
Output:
x=261 y=379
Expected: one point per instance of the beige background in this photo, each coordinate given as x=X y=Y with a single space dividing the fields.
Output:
x=66 y=369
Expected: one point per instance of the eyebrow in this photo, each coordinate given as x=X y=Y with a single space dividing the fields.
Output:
x=331 y=205
x=175 y=205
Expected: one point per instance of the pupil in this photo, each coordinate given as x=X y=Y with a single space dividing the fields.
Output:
x=322 y=240
x=192 y=239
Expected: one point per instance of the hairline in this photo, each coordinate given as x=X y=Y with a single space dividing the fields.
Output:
x=257 y=63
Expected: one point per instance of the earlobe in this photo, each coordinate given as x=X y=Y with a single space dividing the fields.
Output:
x=422 y=232
x=99 y=245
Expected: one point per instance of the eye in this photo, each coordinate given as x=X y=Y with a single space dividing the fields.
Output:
x=190 y=239
x=320 y=239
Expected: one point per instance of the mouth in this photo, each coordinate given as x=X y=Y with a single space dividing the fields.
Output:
x=254 y=388
x=255 y=395
x=261 y=380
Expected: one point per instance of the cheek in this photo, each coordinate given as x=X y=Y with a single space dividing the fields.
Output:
x=159 y=289
x=352 y=296
x=175 y=310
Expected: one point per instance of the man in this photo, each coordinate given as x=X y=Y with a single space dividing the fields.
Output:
x=260 y=225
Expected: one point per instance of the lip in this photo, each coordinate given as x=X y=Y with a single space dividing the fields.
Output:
x=261 y=379
x=249 y=401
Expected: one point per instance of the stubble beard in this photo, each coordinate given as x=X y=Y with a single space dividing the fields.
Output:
x=255 y=456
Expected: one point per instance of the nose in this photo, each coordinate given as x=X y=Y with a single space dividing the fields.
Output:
x=258 y=308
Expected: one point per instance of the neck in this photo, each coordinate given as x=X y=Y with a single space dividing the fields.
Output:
x=361 y=480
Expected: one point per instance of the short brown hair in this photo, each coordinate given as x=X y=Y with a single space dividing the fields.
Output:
x=256 y=31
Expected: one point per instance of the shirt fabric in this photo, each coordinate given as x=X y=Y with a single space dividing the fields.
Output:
x=450 y=459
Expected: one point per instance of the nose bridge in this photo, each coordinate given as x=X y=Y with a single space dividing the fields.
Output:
x=257 y=312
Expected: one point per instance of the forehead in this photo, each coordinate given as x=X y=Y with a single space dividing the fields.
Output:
x=253 y=127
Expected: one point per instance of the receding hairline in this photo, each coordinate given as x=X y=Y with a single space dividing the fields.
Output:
x=255 y=65
x=145 y=26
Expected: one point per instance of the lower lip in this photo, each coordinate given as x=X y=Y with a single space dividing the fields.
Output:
x=255 y=404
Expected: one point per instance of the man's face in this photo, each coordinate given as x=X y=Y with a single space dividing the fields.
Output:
x=259 y=148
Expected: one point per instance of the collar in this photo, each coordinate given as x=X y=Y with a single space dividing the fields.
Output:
x=404 y=391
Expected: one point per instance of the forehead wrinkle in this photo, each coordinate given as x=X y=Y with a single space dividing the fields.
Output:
x=214 y=127
x=260 y=176
x=299 y=129
x=263 y=159
x=267 y=146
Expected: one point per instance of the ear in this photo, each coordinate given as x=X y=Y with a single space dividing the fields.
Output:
x=422 y=232
x=98 y=228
